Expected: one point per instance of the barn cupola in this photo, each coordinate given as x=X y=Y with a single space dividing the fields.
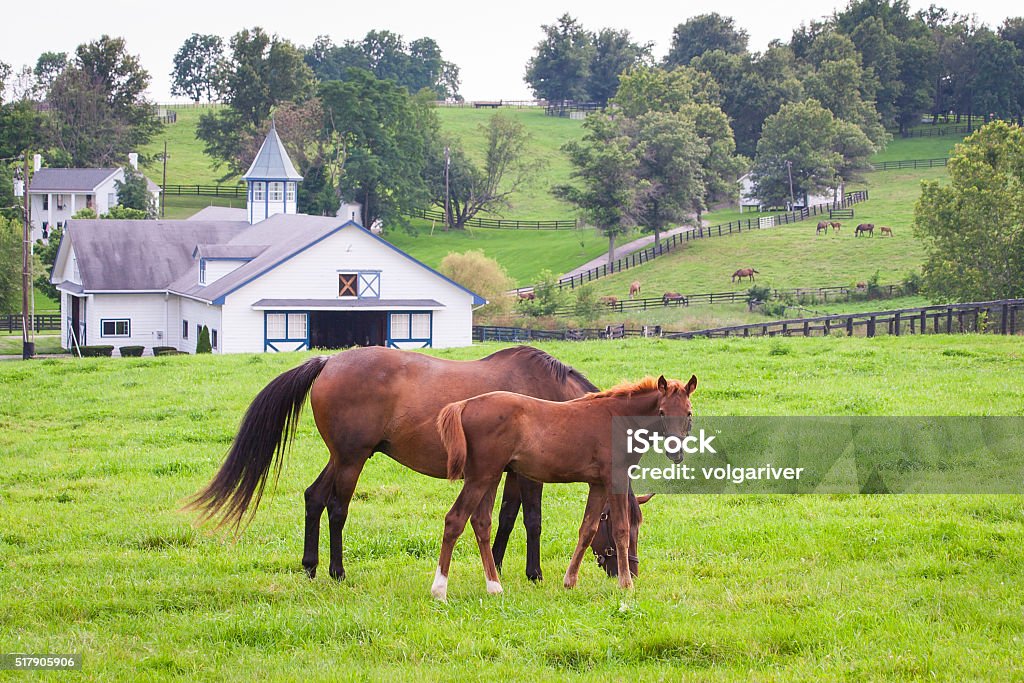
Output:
x=273 y=182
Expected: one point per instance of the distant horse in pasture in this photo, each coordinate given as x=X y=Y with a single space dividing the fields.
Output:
x=526 y=296
x=886 y=231
x=836 y=225
x=610 y=301
x=745 y=272
x=674 y=296
x=551 y=442
x=373 y=399
x=822 y=228
x=868 y=228
x=634 y=288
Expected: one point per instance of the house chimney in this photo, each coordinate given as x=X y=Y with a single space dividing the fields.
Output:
x=133 y=159
x=37 y=162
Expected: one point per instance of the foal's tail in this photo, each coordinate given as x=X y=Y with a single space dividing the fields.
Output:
x=265 y=434
x=453 y=436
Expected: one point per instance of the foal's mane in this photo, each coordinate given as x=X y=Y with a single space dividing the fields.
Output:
x=548 y=363
x=627 y=388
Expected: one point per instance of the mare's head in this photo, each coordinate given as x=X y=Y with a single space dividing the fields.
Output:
x=603 y=544
x=674 y=409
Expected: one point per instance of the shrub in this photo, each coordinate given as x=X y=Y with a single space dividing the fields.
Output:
x=203 y=342
x=97 y=351
x=588 y=307
x=132 y=351
x=547 y=296
x=874 y=289
x=485 y=276
x=84 y=212
x=912 y=282
x=759 y=293
x=162 y=350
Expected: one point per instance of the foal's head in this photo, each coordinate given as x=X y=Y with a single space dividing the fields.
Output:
x=603 y=544
x=675 y=409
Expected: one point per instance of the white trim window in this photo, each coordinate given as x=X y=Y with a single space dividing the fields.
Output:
x=276 y=193
x=257 y=191
x=410 y=326
x=116 y=327
x=291 y=191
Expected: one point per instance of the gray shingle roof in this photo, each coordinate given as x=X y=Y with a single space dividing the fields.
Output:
x=272 y=162
x=121 y=255
x=69 y=179
x=219 y=213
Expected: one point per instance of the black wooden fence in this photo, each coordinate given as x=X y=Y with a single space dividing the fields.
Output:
x=668 y=244
x=501 y=224
x=43 y=322
x=230 y=191
x=935 y=131
x=909 y=163
x=1005 y=316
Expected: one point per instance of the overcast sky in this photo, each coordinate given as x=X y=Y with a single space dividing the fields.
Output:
x=489 y=41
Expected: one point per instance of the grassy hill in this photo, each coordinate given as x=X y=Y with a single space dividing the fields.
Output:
x=98 y=454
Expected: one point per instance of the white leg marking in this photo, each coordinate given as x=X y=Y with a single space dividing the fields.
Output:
x=440 y=588
x=493 y=587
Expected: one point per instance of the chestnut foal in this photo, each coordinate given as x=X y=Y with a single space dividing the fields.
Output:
x=548 y=442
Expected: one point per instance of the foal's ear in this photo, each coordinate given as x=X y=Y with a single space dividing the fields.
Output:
x=644 y=498
x=662 y=384
x=691 y=386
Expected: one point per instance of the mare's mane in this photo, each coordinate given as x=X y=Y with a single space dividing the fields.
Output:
x=547 y=363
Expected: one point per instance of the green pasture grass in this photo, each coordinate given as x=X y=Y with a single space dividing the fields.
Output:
x=184 y=206
x=187 y=162
x=96 y=456
x=48 y=342
x=900 y=148
x=793 y=255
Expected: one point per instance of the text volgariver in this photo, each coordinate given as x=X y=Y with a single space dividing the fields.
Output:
x=736 y=475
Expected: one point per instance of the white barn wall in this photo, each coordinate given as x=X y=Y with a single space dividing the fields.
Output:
x=313 y=274
x=145 y=311
x=197 y=314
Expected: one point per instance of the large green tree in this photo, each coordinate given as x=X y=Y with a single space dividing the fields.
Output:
x=604 y=167
x=10 y=264
x=704 y=33
x=560 y=67
x=199 y=68
x=133 y=193
x=973 y=226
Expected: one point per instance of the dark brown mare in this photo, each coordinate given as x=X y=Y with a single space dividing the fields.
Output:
x=548 y=442
x=822 y=228
x=673 y=296
x=373 y=399
x=866 y=228
x=745 y=272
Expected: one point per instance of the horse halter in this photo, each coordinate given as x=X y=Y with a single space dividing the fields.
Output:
x=609 y=553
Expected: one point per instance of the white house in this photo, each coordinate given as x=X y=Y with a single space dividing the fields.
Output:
x=279 y=283
x=55 y=194
x=750 y=200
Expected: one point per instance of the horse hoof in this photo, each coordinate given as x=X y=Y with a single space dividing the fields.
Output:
x=337 y=574
x=494 y=588
x=535 y=577
x=569 y=581
x=310 y=571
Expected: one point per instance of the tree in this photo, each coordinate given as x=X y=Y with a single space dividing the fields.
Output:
x=203 y=344
x=472 y=188
x=133 y=193
x=47 y=253
x=799 y=138
x=560 y=67
x=615 y=53
x=654 y=89
x=48 y=67
x=485 y=276
x=387 y=136
x=123 y=213
x=10 y=264
x=198 y=68
x=670 y=178
x=973 y=226
x=604 y=165
x=98 y=111
x=704 y=33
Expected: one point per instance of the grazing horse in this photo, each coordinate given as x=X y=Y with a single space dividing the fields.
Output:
x=674 y=296
x=609 y=300
x=745 y=272
x=822 y=228
x=835 y=226
x=526 y=296
x=868 y=228
x=634 y=288
x=548 y=442
x=368 y=400
x=886 y=231
x=603 y=543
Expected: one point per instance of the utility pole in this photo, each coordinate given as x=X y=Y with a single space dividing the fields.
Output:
x=447 y=194
x=789 y=170
x=163 y=187
x=28 y=347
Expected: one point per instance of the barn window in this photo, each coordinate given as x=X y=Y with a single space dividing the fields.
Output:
x=287 y=326
x=116 y=328
x=202 y=271
x=291 y=191
x=369 y=285
x=184 y=329
x=257 y=191
x=410 y=327
x=276 y=192
x=348 y=284
x=213 y=338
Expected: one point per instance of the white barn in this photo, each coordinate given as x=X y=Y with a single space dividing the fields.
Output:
x=750 y=200
x=280 y=283
x=55 y=194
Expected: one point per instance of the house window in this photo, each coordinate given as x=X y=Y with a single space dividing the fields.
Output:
x=291 y=191
x=276 y=192
x=60 y=202
x=111 y=199
x=257 y=191
x=410 y=327
x=202 y=271
x=46 y=202
x=184 y=329
x=88 y=201
x=348 y=284
x=213 y=338
x=116 y=328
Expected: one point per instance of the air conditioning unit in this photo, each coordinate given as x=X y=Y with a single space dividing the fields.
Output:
x=159 y=334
